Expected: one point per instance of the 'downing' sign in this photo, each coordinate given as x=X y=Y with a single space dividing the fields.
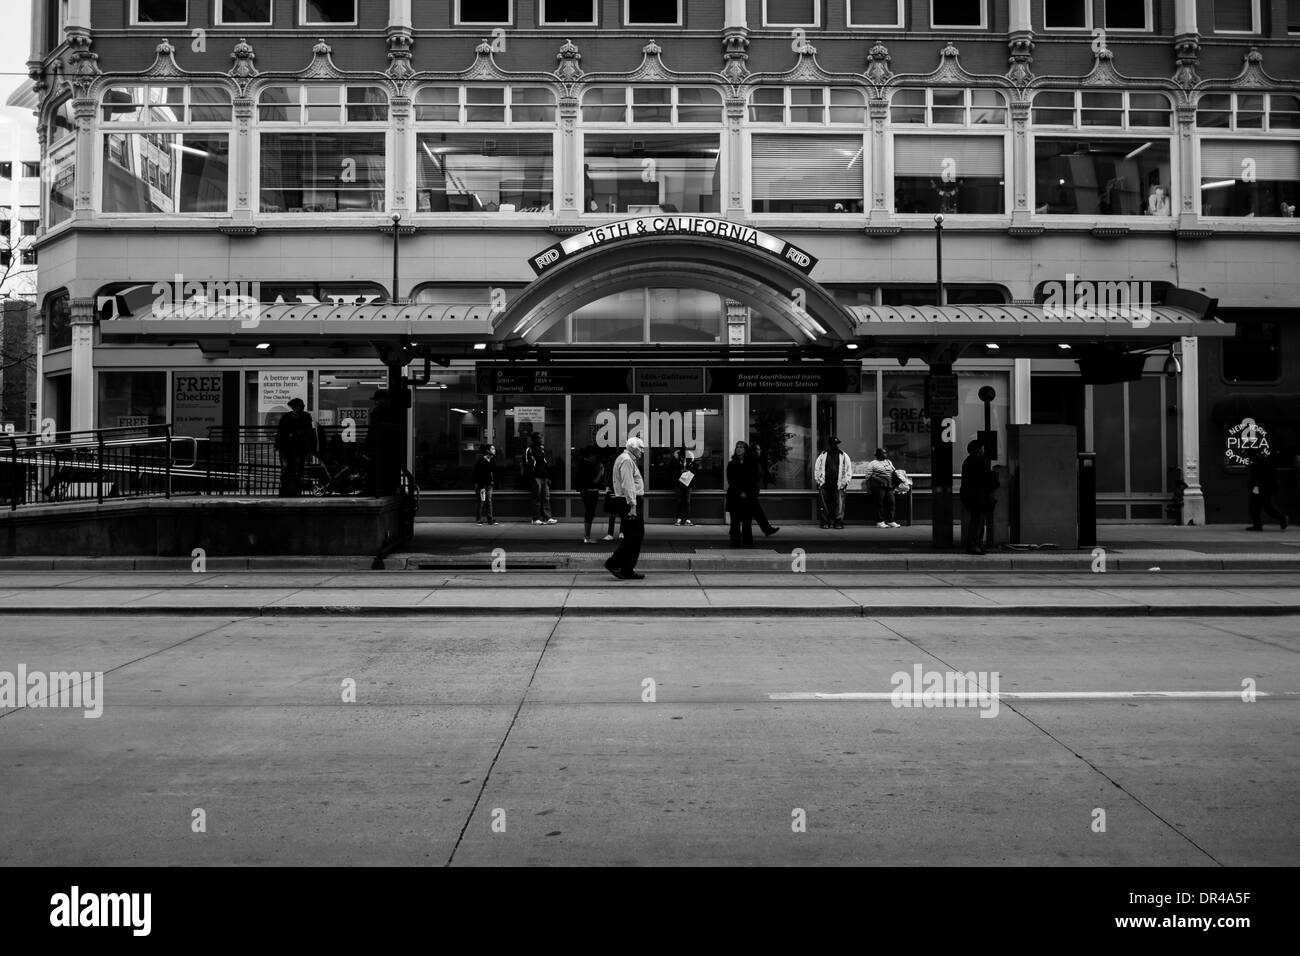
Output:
x=705 y=227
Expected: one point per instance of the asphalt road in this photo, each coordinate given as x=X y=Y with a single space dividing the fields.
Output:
x=531 y=741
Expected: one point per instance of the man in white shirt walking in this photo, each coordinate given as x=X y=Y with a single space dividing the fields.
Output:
x=629 y=490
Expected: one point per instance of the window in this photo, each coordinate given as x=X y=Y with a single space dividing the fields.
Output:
x=569 y=11
x=671 y=105
x=953 y=175
x=940 y=107
x=243 y=11
x=465 y=172
x=6 y=256
x=324 y=12
x=159 y=11
x=322 y=103
x=458 y=105
x=28 y=257
x=1068 y=14
x=1293 y=16
x=875 y=13
x=1261 y=111
x=31 y=170
x=61 y=182
x=132 y=398
x=6 y=170
x=791 y=13
x=652 y=12
x=807 y=104
x=28 y=227
x=957 y=13
x=61 y=123
x=1255 y=355
x=1128 y=14
x=484 y=11
x=166 y=104
x=1236 y=16
x=651 y=173
x=1088 y=108
x=781 y=426
x=1102 y=177
x=166 y=172
x=448 y=421
x=699 y=423
x=322 y=172
x=1250 y=178
x=807 y=174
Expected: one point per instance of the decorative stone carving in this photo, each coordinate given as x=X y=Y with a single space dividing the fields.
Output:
x=164 y=63
x=84 y=68
x=735 y=54
x=950 y=68
x=1103 y=72
x=243 y=57
x=878 y=59
x=652 y=64
x=570 y=62
x=1187 y=56
x=1252 y=72
x=1021 y=61
x=322 y=63
x=399 y=55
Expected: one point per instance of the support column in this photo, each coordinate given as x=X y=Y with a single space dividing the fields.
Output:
x=1185 y=115
x=735 y=14
x=83 y=202
x=242 y=157
x=40 y=377
x=1189 y=420
x=38 y=51
x=403 y=150
x=737 y=423
x=573 y=197
x=735 y=199
x=940 y=469
x=78 y=15
x=83 y=365
x=1185 y=17
x=399 y=13
x=878 y=111
x=1019 y=14
x=1021 y=392
x=1022 y=162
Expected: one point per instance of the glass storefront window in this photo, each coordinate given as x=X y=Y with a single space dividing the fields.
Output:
x=699 y=423
x=514 y=418
x=782 y=427
x=685 y=315
x=166 y=172
x=949 y=174
x=605 y=421
x=132 y=399
x=1102 y=177
x=616 y=318
x=472 y=173
x=264 y=389
x=906 y=429
x=322 y=172
x=449 y=423
x=1250 y=178
x=851 y=419
x=203 y=399
x=348 y=394
x=58 y=317
x=645 y=174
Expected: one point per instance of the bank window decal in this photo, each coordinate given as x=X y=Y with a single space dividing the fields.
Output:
x=200 y=103
x=948 y=107
x=1067 y=14
x=666 y=105
x=1080 y=109
x=1127 y=15
x=807 y=105
x=792 y=13
x=652 y=13
x=807 y=174
x=574 y=12
x=319 y=13
x=243 y=12
x=1249 y=178
x=959 y=13
x=1103 y=176
x=492 y=12
x=159 y=12
x=1267 y=112
x=875 y=13
x=952 y=175
x=474 y=172
x=322 y=103
x=1235 y=16
x=461 y=105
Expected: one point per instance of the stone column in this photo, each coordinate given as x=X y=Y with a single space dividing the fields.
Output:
x=735 y=14
x=878 y=188
x=83 y=365
x=243 y=159
x=1189 y=421
x=403 y=148
x=1019 y=12
x=84 y=125
x=78 y=14
x=1022 y=163
x=1021 y=392
x=399 y=13
x=1188 y=187
x=1185 y=17
x=734 y=200
x=573 y=199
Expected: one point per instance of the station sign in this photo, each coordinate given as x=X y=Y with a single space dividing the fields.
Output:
x=707 y=227
x=732 y=379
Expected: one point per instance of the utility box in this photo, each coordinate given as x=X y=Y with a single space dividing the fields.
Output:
x=1044 y=490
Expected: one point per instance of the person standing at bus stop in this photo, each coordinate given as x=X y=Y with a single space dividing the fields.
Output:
x=629 y=490
x=385 y=444
x=295 y=440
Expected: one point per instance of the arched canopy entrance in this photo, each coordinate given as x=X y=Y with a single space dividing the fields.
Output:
x=756 y=277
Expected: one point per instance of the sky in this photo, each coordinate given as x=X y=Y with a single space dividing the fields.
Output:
x=15 y=44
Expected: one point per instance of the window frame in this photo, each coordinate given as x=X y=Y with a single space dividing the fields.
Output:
x=967 y=106
x=217 y=21
x=1254 y=22
x=899 y=23
x=1228 y=136
x=852 y=220
x=816 y=21
x=304 y=103
x=458 y=20
x=1087 y=17
x=629 y=106
x=982 y=25
x=629 y=22
x=1003 y=133
x=1147 y=28
x=135 y=21
x=431 y=126
x=1078 y=108
x=304 y=22
x=787 y=105
x=1175 y=189
x=26 y=165
x=698 y=129
x=1233 y=110
x=64 y=148
x=543 y=22
x=463 y=105
x=255 y=187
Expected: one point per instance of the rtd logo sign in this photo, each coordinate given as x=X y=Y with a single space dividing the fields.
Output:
x=798 y=258
x=546 y=258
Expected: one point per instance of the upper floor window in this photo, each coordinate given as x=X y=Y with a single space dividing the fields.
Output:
x=473 y=12
x=243 y=11
x=941 y=107
x=166 y=104
x=817 y=105
x=6 y=170
x=648 y=173
x=1067 y=14
x=577 y=12
x=949 y=174
x=31 y=170
x=807 y=173
x=61 y=123
x=1128 y=14
x=1102 y=177
x=791 y=13
x=1084 y=108
x=1250 y=178
x=1236 y=16
x=470 y=172
x=1293 y=16
x=161 y=12
x=1263 y=111
x=959 y=13
x=322 y=103
x=327 y=12
x=484 y=104
x=875 y=13
x=653 y=12
x=651 y=104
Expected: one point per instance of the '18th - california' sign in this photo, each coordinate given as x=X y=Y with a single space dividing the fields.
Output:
x=701 y=226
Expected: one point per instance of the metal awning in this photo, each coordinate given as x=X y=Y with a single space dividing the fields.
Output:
x=994 y=323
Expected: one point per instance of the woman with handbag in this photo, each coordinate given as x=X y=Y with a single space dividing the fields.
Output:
x=684 y=464
x=882 y=476
x=738 y=498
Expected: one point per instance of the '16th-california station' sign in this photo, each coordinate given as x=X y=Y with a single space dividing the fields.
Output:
x=649 y=226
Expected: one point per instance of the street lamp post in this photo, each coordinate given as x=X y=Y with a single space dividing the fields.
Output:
x=397 y=239
x=938 y=259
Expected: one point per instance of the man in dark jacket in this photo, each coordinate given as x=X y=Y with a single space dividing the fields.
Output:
x=485 y=480
x=976 y=489
x=295 y=440
x=385 y=445
x=537 y=469
x=1263 y=486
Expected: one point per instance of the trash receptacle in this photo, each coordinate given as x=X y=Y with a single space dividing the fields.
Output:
x=1087 y=499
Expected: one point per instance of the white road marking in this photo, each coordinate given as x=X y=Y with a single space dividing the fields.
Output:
x=922 y=697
